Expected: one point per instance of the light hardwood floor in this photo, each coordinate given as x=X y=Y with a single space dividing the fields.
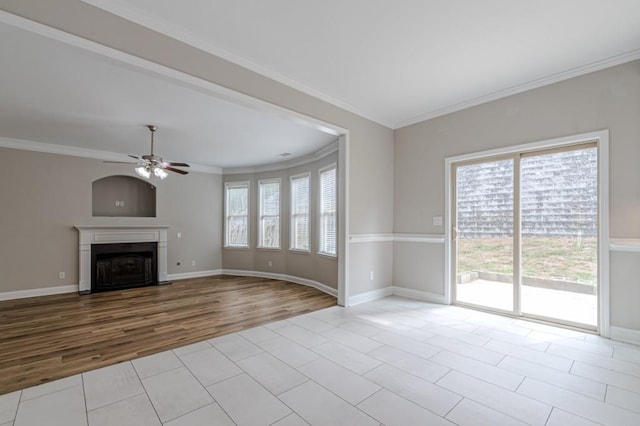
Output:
x=51 y=337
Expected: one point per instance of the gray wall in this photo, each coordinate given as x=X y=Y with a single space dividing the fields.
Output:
x=312 y=266
x=371 y=145
x=608 y=99
x=46 y=195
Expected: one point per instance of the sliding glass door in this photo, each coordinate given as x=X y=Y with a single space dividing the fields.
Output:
x=559 y=214
x=484 y=234
x=525 y=234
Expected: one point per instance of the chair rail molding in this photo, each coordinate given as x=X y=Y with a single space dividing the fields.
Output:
x=396 y=237
x=624 y=244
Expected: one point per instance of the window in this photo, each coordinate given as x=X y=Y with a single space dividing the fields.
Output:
x=269 y=220
x=300 y=212
x=328 y=217
x=237 y=214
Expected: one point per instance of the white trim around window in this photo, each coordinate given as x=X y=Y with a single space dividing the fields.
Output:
x=300 y=213
x=328 y=212
x=236 y=222
x=269 y=194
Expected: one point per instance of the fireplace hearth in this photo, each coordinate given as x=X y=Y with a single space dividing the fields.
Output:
x=123 y=265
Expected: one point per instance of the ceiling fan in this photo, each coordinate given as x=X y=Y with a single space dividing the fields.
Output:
x=151 y=165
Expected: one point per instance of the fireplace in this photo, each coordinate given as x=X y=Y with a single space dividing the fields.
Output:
x=123 y=265
x=122 y=256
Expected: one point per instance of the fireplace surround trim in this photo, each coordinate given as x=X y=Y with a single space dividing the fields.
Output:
x=119 y=234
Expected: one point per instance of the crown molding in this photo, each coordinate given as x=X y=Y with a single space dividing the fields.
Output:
x=74 y=151
x=541 y=82
x=135 y=15
x=196 y=83
x=144 y=65
x=155 y=23
x=126 y=11
x=321 y=153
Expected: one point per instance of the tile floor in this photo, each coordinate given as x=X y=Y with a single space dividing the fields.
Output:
x=393 y=361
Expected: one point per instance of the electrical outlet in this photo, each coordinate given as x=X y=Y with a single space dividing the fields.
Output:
x=371 y=275
x=437 y=220
x=270 y=264
x=62 y=275
x=179 y=235
x=193 y=263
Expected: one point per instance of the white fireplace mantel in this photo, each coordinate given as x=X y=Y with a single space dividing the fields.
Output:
x=119 y=234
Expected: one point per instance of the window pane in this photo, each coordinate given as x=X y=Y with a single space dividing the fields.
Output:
x=301 y=232
x=237 y=212
x=329 y=233
x=237 y=231
x=269 y=214
x=559 y=193
x=300 y=191
x=328 y=202
x=270 y=198
x=484 y=234
x=328 y=190
x=300 y=213
x=271 y=231
x=238 y=201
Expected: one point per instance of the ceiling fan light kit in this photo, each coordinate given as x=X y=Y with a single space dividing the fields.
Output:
x=152 y=166
x=148 y=170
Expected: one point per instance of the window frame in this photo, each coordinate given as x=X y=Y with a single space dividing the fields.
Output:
x=292 y=213
x=321 y=214
x=227 y=187
x=261 y=215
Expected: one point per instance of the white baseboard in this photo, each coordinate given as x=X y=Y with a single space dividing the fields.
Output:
x=419 y=295
x=369 y=296
x=628 y=335
x=196 y=274
x=396 y=291
x=46 y=291
x=257 y=274
x=310 y=283
x=284 y=277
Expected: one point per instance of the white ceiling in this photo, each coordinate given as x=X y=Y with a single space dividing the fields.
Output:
x=78 y=101
x=395 y=62
x=402 y=61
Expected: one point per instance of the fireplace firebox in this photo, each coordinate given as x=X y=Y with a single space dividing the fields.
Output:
x=123 y=265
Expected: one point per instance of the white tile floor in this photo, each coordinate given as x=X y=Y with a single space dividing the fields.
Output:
x=393 y=361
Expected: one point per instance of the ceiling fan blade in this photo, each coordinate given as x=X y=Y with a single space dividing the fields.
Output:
x=120 y=162
x=171 y=169
x=133 y=156
x=177 y=164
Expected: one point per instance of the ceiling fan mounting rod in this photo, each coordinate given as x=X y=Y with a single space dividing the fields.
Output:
x=153 y=129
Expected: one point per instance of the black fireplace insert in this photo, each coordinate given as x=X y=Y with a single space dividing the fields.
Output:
x=123 y=265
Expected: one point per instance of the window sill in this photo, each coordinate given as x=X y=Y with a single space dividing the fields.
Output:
x=236 y=247
x=299 y=251
x=269 y=248
x=328 y=255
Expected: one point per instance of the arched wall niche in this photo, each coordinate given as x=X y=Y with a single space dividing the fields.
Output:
x=123 y=196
